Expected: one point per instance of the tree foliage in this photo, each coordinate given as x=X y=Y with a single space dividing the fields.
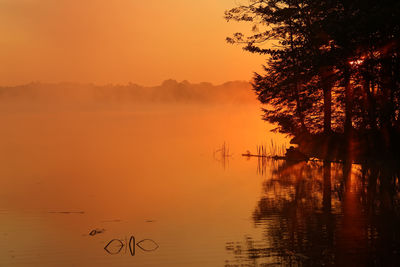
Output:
x=331 y=65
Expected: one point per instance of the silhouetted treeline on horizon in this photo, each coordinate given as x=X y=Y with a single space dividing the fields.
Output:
x=170 y=91
x=332 y=76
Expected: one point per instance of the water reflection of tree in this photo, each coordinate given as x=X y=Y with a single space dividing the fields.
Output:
x=326 y=214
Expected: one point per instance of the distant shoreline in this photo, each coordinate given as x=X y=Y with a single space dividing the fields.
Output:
x=169 y=91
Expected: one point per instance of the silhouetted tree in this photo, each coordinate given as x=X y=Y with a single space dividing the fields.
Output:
x=332 y=65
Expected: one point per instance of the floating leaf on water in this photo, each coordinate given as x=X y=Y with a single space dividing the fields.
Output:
x=147 y=245
x=132 y=245
x=96 y=231
x=114 y=246
x=93 y=232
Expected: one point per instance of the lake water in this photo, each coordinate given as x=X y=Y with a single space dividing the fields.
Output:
x=72 y=181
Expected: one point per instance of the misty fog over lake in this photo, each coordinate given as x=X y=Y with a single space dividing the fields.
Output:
x=74 y=160
x=127 y=175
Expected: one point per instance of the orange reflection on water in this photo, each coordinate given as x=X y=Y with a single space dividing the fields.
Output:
x=148 y=171
x=352 y=237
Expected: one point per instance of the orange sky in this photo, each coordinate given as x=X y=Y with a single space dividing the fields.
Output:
x=120 y=41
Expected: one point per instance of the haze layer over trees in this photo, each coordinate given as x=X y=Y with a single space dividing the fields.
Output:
x=74 y=95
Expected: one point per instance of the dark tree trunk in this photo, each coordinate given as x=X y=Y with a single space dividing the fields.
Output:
x=299 y=110
x=348 y=116
x=348 y=102
x=370 y=103
x=300 y=113
x=327 y=84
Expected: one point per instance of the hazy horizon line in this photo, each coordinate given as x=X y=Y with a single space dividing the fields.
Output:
x=124 y=84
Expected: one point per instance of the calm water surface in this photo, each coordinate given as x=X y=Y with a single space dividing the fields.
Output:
x=151 y=172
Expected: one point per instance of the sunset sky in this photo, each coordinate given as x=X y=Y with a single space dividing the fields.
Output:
x=120 y=41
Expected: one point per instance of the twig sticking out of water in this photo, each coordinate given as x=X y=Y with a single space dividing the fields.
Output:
x=223 y=151
x=222 y=155
x=272 y=150
x=264 y=152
